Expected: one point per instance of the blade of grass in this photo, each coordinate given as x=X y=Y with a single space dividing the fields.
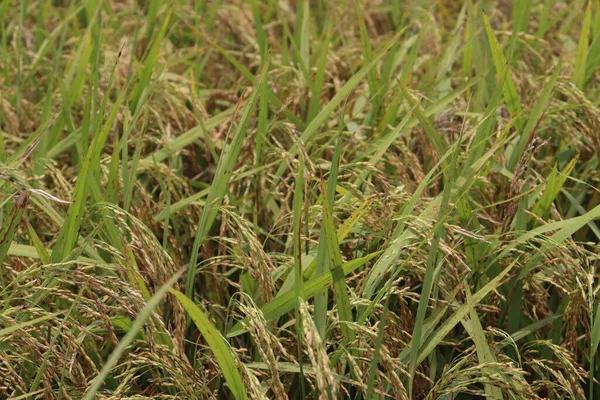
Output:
x=304 y=35
x=148 y=64
x=484 y=353
x=151 y=14
x=273 y=99
x=287 y=301
x=581 y=211
x=460 y=313
x=432 y=262
x=451 y=54
x=68 y=235
x=322 y=260
x=534 y=119
x=343 y=231
x=376 y=349
x=337 y=273
x=317 y=85
x=299 y=279
x=259 y=27
x=225 y=167
x=129 y=170
x=217 y=344
x=566 y=231
x=553 y=186
x=511 y=97
x=42 y=252
x=399 y=237
x=69 y=231
x=521 y=12
x=582 y=48
x=432 y=134
x=16 y=327
x=367 y=51
x=138 y=324
x=329 y=109
x=259 y=155
x=29 y=145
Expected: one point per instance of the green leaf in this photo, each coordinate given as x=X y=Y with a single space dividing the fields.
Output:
x=553 y=186
x=329 y=109
x=297 y=243
x=68 y=234
x=342 y=233
x=275 y=101
x=460 y=313
x=484 y=353
x=582 y=48
x=221 y=180
x=322 y=260
x=511 y=97
x=432 y=262
x=534 y=119
x=42 y=252
x=287 y=301
x=566 y=229
x=432 y=134
x=16 y=327
x=148 y=64
x=217 y=344
x=342 y=298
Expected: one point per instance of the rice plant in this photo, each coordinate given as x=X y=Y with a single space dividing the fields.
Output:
x=299 y=199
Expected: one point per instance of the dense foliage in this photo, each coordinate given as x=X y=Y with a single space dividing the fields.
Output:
x=299 y=199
